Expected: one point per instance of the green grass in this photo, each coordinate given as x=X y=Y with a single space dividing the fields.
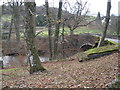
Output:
x=11 y=69
x=118 y=77
x=82 y=30
x=67 y=31
x=87 y=30
x=79 y=30
x=114 y=43
x=102 y=49
x=43 y=34
x=6 y=18
x=76 y=31
x=83 y=56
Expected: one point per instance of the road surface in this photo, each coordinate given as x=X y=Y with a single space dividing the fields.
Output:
x=113 y=40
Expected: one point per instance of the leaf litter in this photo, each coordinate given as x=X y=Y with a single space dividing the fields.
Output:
x=96 y=73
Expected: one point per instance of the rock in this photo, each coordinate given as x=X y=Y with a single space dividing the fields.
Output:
x=81 y=60
x=86 y=46
x=115 y=84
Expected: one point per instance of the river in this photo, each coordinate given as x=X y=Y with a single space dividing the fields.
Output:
x=16 y=61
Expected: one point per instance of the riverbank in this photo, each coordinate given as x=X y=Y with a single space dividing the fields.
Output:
x=72 y=45
x=70 y=73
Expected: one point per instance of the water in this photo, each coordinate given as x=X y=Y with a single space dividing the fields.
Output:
x=15 y=61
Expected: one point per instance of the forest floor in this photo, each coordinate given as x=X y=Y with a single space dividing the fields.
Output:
x=96 y=73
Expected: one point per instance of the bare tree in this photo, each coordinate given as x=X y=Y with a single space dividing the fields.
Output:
x=49 y=28
x=15 y=20
x=77 y=16
x=30 y=9
x=106 y=23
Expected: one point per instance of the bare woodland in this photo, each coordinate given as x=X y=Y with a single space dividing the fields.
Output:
x=61 y=36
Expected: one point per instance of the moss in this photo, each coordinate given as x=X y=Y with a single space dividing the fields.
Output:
x=36 y=69
x=107 y=42
x=114 y=43
x=97 y=38
x=118 y=77
x=102 y=49
x=12 y=69
x=115 y=84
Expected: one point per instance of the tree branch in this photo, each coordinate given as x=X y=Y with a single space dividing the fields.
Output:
x=88 y=23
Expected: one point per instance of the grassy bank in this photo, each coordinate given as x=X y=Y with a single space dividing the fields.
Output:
x=80 y=30
x=102 y=49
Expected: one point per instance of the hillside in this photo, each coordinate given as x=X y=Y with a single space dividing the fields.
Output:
x=96 y=73
x=39 y=10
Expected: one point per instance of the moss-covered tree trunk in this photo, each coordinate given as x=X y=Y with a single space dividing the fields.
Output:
x=35 y=65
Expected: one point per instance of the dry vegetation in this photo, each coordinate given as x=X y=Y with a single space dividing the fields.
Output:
x=97 y=73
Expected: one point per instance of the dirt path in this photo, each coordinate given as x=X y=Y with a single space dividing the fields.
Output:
x=67 y=74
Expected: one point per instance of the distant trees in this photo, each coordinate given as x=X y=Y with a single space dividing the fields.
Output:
x=114 y=23
x=99 y=20
x=5 y=24
x=30 y=9
x=15 y=17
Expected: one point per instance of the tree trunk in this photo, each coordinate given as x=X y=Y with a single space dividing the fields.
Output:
x=16 y=13
x=106 y=24
x=57 y=29
x=49 y=29
x=63 y=41
x=35 y=64
x=11 y=24
x=71 y=32
x=118 y=27
x=119 y=37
